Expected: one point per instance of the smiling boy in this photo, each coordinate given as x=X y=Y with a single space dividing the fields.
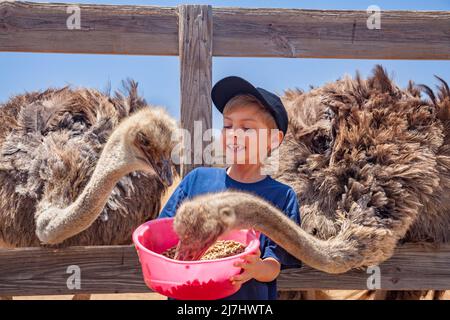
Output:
x=254 y=124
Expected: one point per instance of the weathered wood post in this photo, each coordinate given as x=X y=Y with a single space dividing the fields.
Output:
x=195 y=51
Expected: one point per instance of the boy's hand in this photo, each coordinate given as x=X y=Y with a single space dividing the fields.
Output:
x=251 y=265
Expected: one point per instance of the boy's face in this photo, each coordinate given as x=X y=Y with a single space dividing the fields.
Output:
x=246 y=136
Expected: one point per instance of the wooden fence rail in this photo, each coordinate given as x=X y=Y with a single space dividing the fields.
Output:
x=116 y=269
x=238 y=32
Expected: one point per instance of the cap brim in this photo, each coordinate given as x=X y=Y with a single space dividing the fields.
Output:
x=229 y=87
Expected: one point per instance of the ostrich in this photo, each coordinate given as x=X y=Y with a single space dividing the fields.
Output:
x=78 y=167
x=370 y=164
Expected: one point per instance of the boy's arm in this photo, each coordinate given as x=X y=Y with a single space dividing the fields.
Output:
x=264 y=270
x=269 y=270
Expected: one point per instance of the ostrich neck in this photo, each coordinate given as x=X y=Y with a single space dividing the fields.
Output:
x=108 y=171
x=254 y=213
x=54 y=224
x=92 y=200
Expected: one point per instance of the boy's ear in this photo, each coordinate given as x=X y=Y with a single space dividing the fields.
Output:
x=276 y=136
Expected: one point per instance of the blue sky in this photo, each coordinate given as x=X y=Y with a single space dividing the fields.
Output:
x=158 y=77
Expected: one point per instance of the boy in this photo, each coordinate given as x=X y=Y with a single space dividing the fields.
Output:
x=250 y=115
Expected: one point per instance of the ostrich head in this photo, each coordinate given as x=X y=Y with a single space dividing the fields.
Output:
x=144 y=142
x=199 y=224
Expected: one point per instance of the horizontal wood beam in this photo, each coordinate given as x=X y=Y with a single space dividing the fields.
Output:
x=297 y=33
x=413 y=267
x=39 y=271
x=116 y=269
x=238 y=32
x=105 y=29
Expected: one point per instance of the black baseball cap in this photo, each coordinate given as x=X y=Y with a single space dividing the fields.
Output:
x=229 y=87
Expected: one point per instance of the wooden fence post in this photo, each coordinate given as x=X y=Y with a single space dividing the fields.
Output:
x=195 y=50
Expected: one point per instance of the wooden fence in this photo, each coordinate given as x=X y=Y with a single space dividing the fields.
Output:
x=196 y=33
x=116 y=269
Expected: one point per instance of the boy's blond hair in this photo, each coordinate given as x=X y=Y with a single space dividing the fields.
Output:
x=246 y=99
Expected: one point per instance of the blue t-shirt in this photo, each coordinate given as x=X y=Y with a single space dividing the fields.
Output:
x=208 y=179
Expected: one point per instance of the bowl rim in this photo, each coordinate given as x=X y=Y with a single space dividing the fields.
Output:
x=253 y=246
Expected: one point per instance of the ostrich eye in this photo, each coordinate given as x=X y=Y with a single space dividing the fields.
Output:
x=321 y=143
x=143 y=140
x=329 y=114
x=226 y=212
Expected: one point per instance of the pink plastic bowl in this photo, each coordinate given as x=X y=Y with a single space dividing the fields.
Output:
x=187 y=280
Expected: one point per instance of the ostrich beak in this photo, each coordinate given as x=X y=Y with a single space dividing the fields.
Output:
x=187 y=253
x=165 y=173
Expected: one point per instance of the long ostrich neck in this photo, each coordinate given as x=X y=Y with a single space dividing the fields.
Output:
x=54 y=225
x=251 y=212
x=90 y=203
